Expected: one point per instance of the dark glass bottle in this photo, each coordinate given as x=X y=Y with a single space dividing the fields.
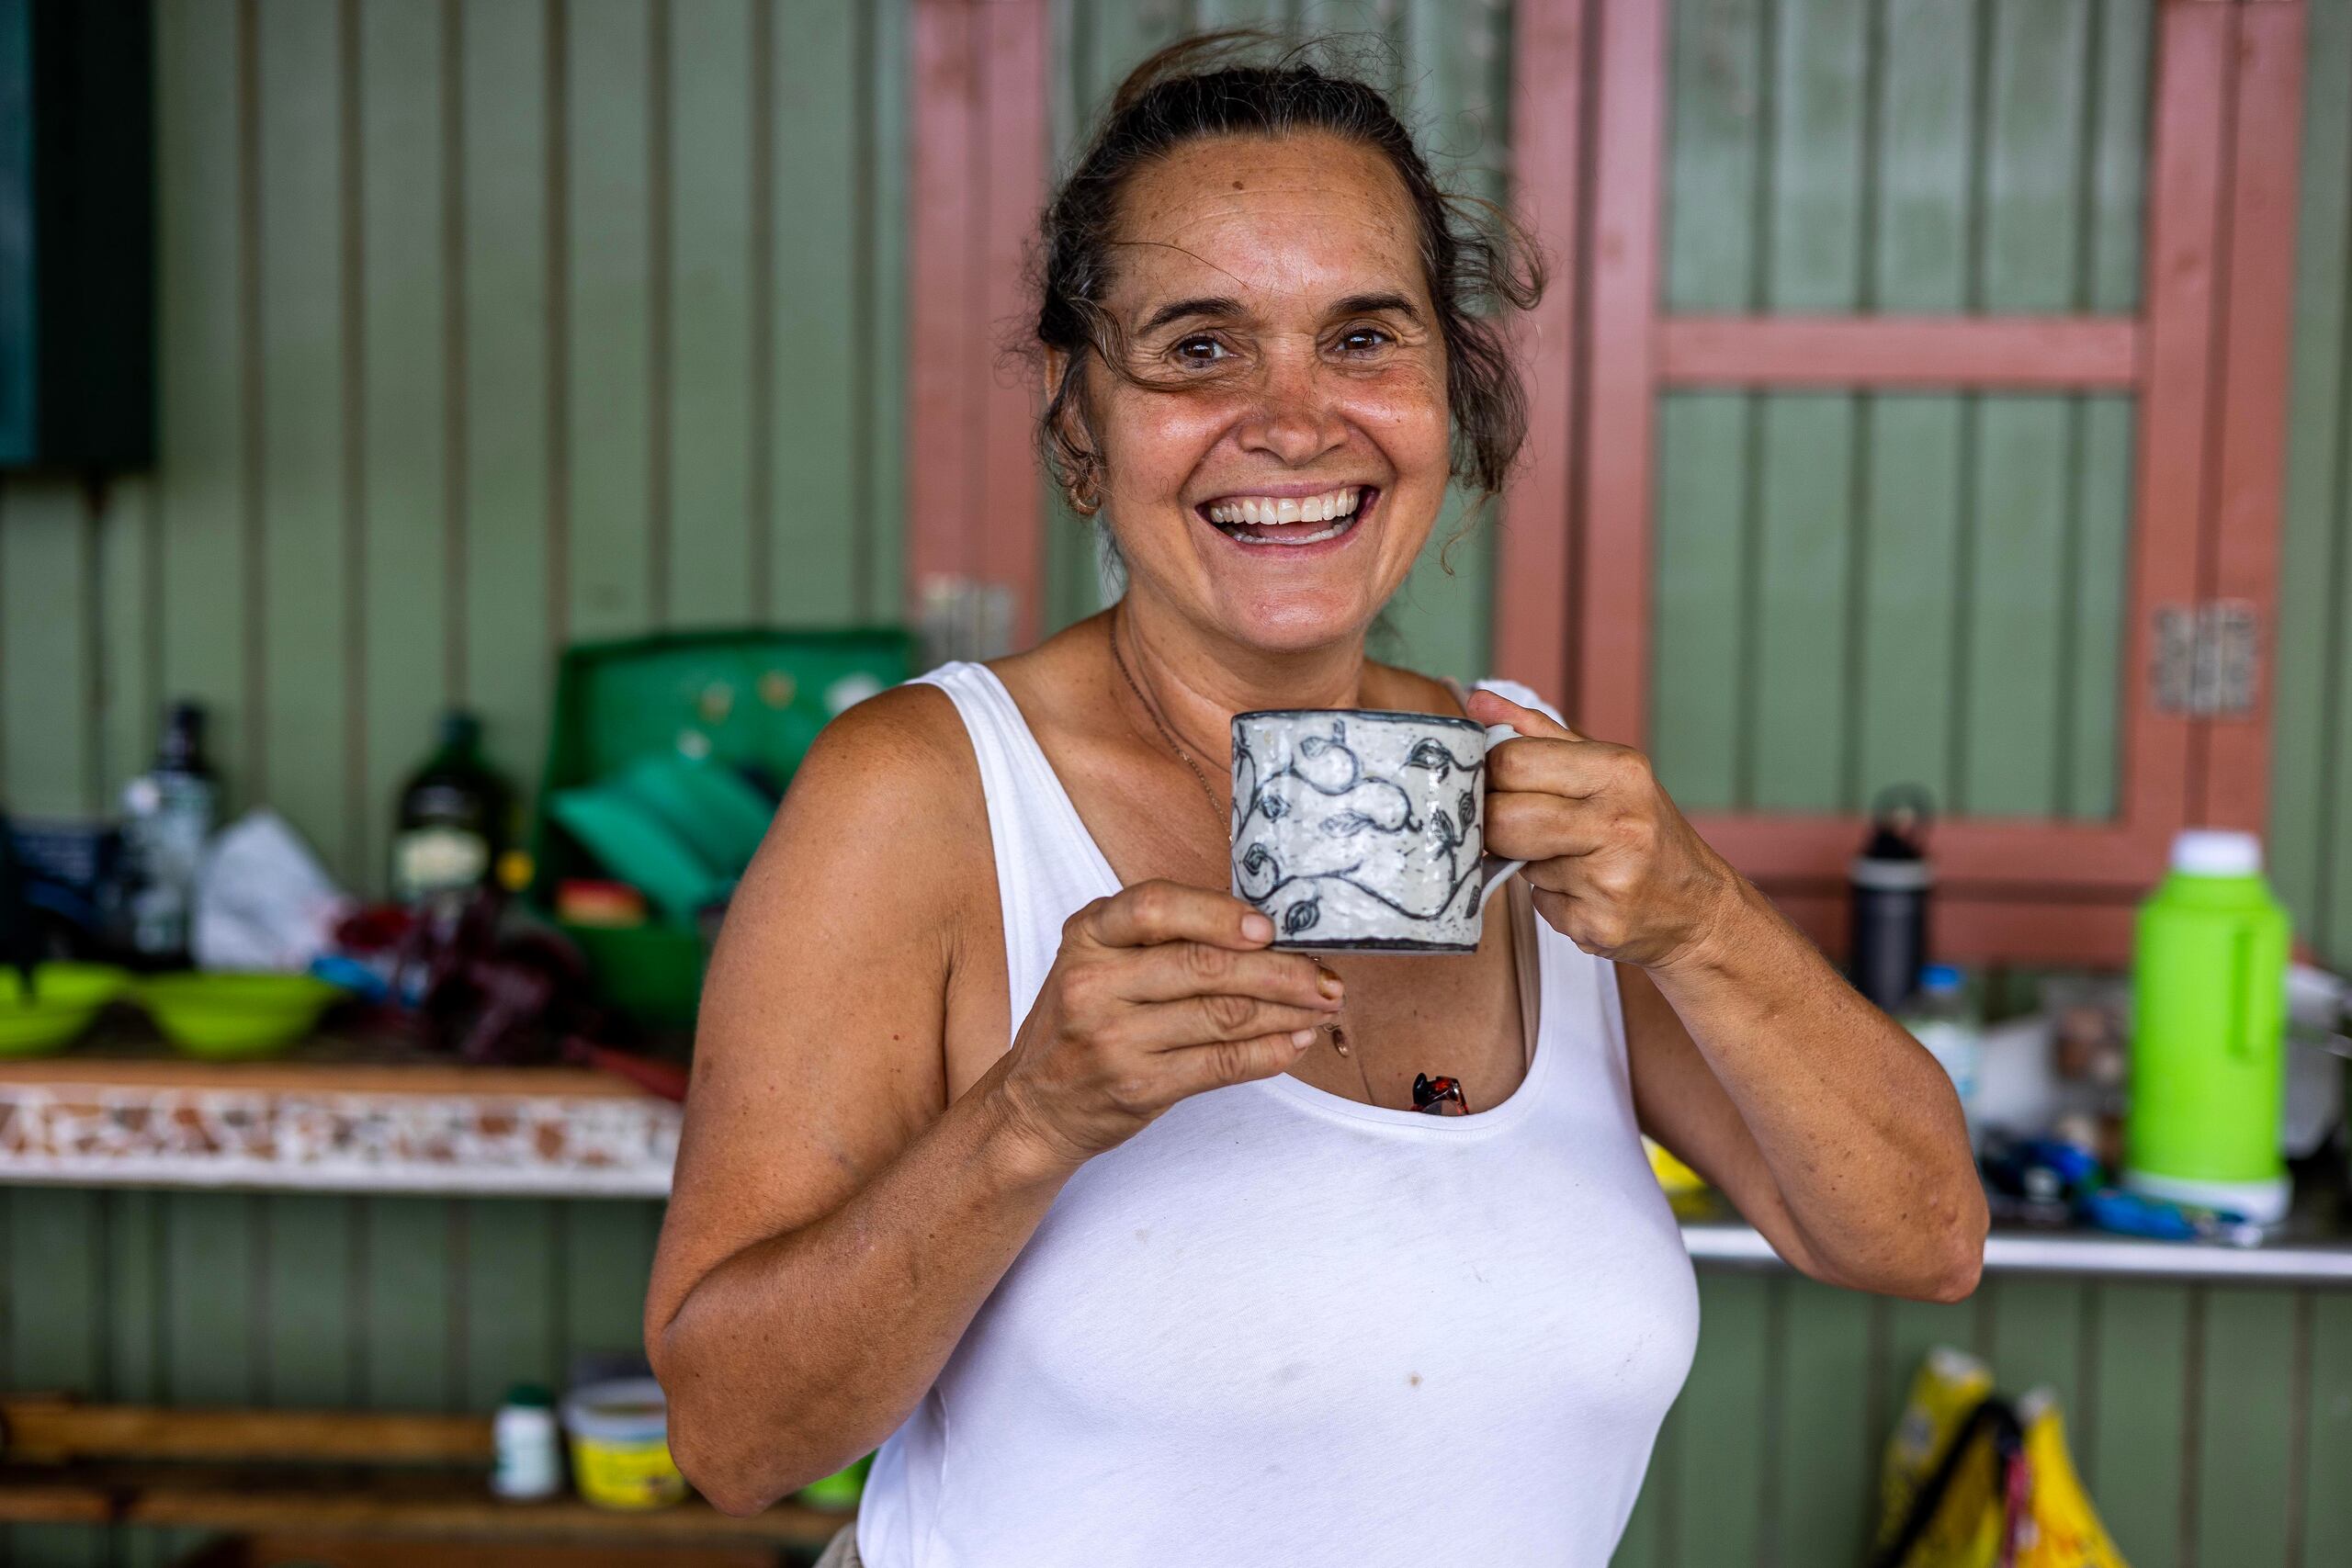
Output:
x=1891 y=882
x=168 y=812
x=453 y=821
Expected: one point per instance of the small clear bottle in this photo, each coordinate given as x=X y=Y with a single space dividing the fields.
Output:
x=1941 y=1017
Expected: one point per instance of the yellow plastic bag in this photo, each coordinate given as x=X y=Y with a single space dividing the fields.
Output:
x=2062 y=1530
x=1971 y=1481
x=1964 y=1529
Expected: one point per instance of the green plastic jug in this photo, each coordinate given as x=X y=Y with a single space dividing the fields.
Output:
x=2209 y=990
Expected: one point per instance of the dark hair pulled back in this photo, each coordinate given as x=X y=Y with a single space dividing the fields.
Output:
x=1474 y=258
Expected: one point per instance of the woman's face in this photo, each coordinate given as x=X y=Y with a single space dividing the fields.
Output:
x=1277 y=478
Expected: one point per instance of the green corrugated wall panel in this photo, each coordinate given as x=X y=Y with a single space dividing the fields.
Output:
x=461 y=347
x=1447 y=63
x=1888 y=589
x=1854 y=591
x=2312 y=755
x=466 y=313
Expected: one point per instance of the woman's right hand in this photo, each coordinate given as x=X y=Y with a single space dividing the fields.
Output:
x=1159 y=992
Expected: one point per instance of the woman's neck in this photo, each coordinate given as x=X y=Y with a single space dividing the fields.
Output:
x=1198 y=680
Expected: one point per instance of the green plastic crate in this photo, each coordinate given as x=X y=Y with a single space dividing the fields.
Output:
x=754 y=698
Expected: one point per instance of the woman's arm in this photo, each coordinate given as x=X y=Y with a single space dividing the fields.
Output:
x=1833 y=1131
x=835 y=1220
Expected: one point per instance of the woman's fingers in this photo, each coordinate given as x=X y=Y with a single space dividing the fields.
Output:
x=1530 y=826
x=1203 y=1021
x=1493 y=707
x=1175 y=969
x=1195 y=1069
x=1160 y=911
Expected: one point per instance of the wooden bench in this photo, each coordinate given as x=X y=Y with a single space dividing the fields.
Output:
x=335 y=1488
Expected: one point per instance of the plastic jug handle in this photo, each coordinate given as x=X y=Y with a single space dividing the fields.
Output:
x=2242 y=1010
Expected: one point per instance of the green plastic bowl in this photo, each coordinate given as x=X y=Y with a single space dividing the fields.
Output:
x=225 y=1017
x=66 y=997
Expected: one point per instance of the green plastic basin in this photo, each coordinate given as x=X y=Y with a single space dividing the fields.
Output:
x=224 y=1017
x=66 y=998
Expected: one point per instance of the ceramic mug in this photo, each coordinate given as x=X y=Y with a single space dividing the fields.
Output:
x=1357 y=830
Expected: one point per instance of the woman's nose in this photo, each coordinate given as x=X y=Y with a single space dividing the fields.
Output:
x=1293 y=420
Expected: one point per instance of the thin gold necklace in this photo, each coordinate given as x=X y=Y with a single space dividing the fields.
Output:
x=1151 y=710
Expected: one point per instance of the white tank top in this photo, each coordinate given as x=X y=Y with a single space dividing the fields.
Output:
x=1280 y=1328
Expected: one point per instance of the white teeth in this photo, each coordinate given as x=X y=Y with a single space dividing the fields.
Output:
x=1266 y=509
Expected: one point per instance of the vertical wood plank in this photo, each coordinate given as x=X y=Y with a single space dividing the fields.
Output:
x=305 y=678
x=402 y=1305
x=511 y=1268
x=2031 y=226
x=2244 y=1434
x=134 y=1310
x=2038 y=1339
x=1715 y=144
x=2308 y=738
x=2116 y=193
x=2091 y=656
x=1910 y=609
x=1696 y=626
x=710 y=174
x=54 y=1312
x=616 y=520
x=309 y=1311
x=129 y=605
x=211 y=1255
x=509 y=533
x=2017 y=535
x=200 y=487
x=1792 y=694
x=1614 y=693
x=817 y=511
x=1721 y=1413
x=1926 y=113
x=2132 y=1452
x=2232 y=787
x=608 y=1256
x=2327 y=1442
x=883 y=64
x=1546 y=94
x=405 y=559
x=1828 y=1435
x=48 y=674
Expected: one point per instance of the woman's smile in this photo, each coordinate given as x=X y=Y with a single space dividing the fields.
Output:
x=1291 y=521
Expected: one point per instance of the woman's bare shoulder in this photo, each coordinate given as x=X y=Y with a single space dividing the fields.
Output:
x=888 y=795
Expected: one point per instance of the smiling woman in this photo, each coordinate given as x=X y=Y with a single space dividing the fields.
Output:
x=1016 y=1147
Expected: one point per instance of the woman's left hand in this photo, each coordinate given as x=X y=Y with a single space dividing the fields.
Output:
x=1613 y=865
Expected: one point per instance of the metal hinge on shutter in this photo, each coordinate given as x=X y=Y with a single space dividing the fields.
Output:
x=2208 y=656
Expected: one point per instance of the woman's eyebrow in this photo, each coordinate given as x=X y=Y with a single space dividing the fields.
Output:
x=1372 y=304
x=1212 y=305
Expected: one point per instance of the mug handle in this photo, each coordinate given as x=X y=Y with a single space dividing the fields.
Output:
x=1493 y=870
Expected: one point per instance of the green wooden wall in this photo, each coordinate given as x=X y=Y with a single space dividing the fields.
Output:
x=485 y=324
x=2311 y=797
x=481 y=331
x=1856 y=590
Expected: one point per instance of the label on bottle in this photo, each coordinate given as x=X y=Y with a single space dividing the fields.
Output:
x=437 y=859
x=167 y=818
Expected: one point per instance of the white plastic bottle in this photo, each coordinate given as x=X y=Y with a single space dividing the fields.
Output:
x=1940 y=1017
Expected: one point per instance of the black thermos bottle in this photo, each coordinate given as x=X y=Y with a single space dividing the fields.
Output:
x=1890 y=882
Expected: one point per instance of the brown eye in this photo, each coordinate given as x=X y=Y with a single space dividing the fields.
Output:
x=1365 y=340
x=1202 y=350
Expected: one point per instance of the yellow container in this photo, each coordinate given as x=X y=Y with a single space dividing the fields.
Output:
x=620 y=1445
